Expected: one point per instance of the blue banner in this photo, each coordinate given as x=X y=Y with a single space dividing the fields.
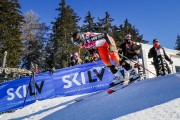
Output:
x=69 y=81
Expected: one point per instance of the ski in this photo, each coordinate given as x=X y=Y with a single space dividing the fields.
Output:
x=95 y=93
x=111 y=89
x=114 y=84
x=114 y=88
x=121 y=86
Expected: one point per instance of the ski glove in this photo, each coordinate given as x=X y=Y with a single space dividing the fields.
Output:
x=112 y=48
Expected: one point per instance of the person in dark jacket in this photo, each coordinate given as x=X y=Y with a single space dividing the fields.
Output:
x=130 y=50
x=159 y=59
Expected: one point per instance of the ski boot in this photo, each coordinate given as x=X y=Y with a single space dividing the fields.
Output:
x=118 y=79
x=134 y=76
x=131 y=76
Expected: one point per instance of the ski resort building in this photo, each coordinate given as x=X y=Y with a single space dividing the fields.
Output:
x=147 y=63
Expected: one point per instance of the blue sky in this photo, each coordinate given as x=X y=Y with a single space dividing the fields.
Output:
x=153 y=18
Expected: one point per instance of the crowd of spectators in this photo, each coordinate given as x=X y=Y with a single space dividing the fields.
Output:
x=75 y=58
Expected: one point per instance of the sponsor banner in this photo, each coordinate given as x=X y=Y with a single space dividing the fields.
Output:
x=69 y=81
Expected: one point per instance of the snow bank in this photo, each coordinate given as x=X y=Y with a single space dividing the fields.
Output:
x=151 y=99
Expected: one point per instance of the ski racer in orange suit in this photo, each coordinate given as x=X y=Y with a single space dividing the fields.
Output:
x=106 y=47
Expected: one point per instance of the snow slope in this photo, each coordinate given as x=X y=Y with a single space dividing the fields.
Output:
x=151 y=99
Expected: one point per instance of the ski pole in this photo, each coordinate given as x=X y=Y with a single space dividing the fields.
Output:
x=137 y=64
x=27 y=91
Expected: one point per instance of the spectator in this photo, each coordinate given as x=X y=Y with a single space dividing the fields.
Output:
x=159 y=59
x=131 y=51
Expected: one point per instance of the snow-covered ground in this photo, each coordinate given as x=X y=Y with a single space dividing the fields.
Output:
x=152 y=99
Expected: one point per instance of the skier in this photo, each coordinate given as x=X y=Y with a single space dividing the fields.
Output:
x=106 y=48
x=159 y=59
x=129 y=52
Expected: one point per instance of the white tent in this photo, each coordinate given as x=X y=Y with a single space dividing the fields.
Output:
x=173 y=54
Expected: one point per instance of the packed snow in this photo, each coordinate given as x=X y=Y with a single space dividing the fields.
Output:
x=150 y=99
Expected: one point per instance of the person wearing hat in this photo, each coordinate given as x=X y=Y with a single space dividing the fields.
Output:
x=130 y=50
x=159 y=59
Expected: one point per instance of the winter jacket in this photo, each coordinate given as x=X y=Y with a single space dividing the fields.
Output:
x=153 y=54
x=127 y=49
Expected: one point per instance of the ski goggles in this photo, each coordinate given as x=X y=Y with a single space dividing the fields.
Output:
x=76 y=41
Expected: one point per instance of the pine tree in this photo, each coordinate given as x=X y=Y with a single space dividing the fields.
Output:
x=10 y=31
x=63 y=27
x=105 y=24
x=116 y=35
x=128 y=28
x=34 y=40
x=177 y=47
x=89 y=23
